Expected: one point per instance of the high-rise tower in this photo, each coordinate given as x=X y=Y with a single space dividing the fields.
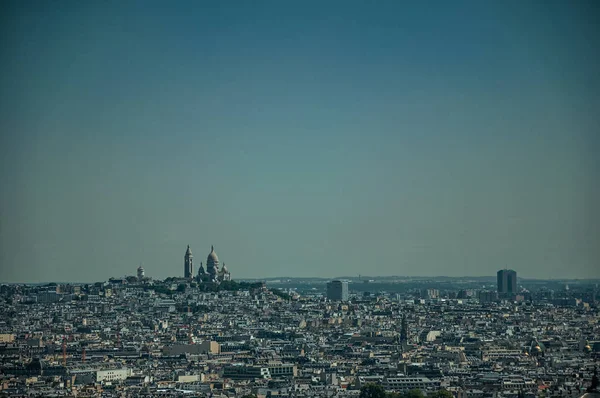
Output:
x=337 y=290
x=188 y=265
x=507 y=281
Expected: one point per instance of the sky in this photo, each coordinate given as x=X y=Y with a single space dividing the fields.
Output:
x=300 y=138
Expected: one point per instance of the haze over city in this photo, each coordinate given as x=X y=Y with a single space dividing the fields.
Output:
x=299 y=138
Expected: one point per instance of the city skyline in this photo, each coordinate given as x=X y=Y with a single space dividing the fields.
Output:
x=304 y=340
x=306 y=139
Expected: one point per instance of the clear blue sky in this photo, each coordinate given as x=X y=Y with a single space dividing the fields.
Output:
x=301 y=138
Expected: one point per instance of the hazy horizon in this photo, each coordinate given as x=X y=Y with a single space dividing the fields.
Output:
x=299 y=138
x=324 y=279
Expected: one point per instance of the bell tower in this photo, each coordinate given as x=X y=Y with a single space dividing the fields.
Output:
x=188 y=265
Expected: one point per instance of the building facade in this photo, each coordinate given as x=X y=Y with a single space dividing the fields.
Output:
x=337 y=290
x=507 y=281
x=262 y=371
x=205 y=347
x=110 y=375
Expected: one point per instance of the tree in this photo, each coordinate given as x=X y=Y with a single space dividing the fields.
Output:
x=442 y=394
x=372 y=391
x=415 y=393
x=394 y=395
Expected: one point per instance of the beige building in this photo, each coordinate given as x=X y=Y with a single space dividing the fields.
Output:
x=7 y=338
x=206 y=347
x=190 y=378
x=111 y=375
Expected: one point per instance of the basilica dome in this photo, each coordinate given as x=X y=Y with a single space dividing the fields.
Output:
x=212 y=257
x=212 y=263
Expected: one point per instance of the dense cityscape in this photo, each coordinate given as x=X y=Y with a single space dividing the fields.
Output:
x=403 y=199
x=205 y=334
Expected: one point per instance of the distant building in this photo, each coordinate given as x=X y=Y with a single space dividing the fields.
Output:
x=37 y=367
x=188 y=265
x=404 y=333
x=337 y=290
x=165 y=306
x=507 y=281
x=190 y=378
x=201 y=273
x=465 y=294
x=111 y=375
x=140 y=273
x=213 y=273
x=7 y=338
x=48 y=297
x=240 y=371
x=407 y=383
x=486 y=296
x=212 y=263
x=264 y=371
x=431 y=293
x=206 y=347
